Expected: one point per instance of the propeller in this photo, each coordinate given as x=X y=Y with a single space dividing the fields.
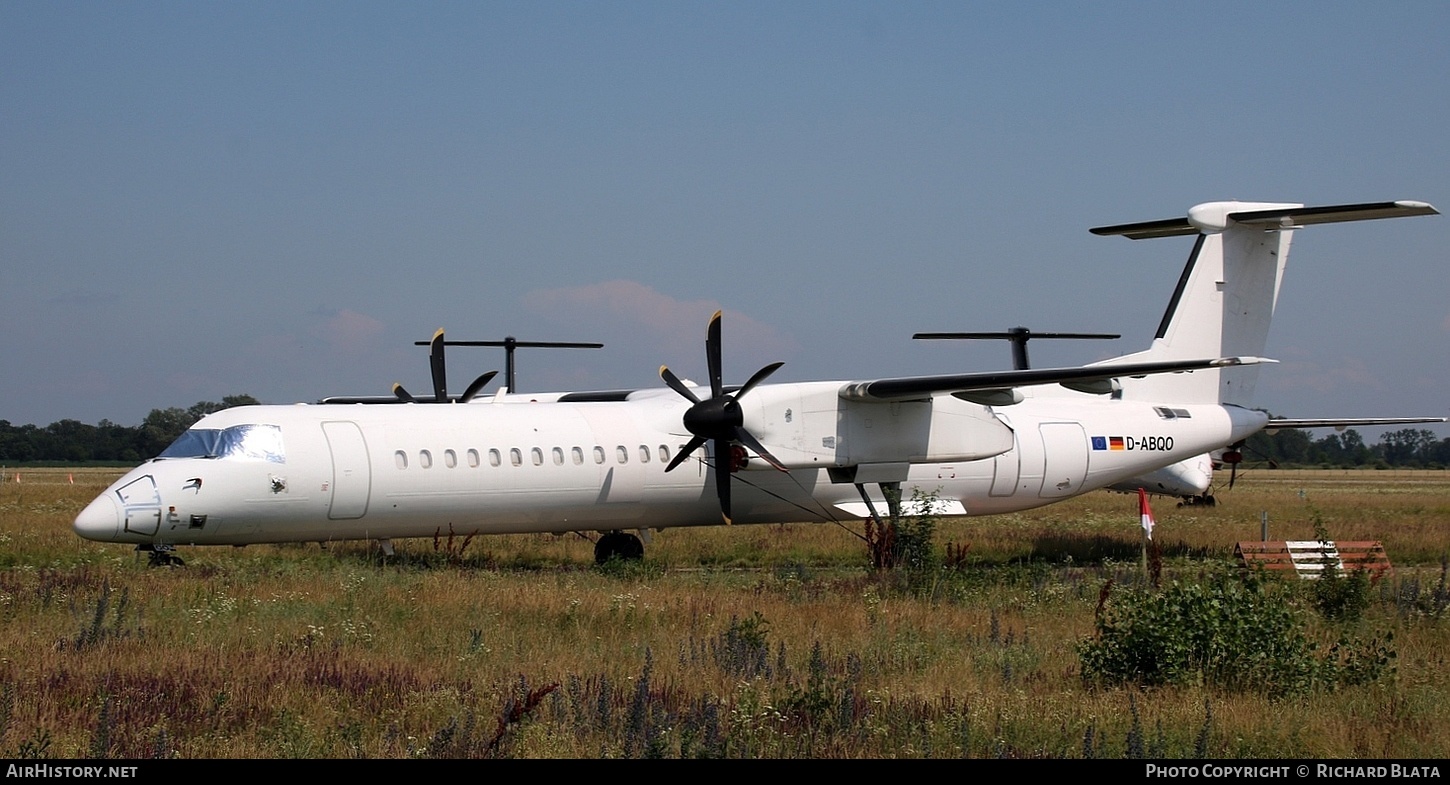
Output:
x=440 y=377
x=510 y=344
x=718 y=419
x=1234 y=456
x=1018 y=336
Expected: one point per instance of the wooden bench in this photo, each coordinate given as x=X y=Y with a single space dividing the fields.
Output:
x=1308 y=558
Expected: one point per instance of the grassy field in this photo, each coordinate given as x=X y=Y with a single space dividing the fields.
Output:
x=764 y=641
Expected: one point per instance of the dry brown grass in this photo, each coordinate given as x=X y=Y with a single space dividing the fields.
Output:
x=295 y=651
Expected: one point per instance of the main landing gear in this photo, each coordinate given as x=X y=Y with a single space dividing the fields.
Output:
x=618 y=545
x=1205 y=500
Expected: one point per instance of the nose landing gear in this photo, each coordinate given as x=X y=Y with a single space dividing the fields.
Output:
x=162 y=555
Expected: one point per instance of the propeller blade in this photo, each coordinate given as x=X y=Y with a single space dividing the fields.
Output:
x=722 y=477
x=678 y=386
x=712 y=356
x=746 y=438
x=439 y=373
x=477 y=385
x=1233 y=457
x=694 y=444
x=435 y=361
x=759 y=377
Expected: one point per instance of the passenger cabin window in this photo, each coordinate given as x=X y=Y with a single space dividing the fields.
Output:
x=473 y=459
x=516 y=457
x=621 y=453
x=450 y=459
x=425 y=459
x=400 y=458
x=558 y=453
x=577 y=454
x=598 y=454
x=493 y=458
x=537 y=455
x=643 y=454
x=664 y=454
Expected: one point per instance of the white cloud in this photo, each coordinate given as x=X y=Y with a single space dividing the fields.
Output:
x=668 y=324
x=348 y=332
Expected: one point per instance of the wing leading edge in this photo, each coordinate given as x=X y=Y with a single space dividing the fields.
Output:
x=1280 y=423
x=980 y=386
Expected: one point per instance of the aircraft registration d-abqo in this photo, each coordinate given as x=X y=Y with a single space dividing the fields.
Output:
x=682 y=455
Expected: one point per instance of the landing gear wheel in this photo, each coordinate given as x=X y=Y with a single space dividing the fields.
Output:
x=162 y=556
x=618 y=545
x=1205 y=500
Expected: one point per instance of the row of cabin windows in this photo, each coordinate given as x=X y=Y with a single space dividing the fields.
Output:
x=536 y=456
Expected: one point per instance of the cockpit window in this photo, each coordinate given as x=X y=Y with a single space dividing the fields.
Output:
x=254 y=442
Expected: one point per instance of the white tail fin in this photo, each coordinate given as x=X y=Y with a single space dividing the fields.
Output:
x=1227 y=293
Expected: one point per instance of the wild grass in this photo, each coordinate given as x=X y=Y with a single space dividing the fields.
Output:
x=764 y=641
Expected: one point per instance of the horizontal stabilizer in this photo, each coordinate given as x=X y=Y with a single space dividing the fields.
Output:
x=1213 y=217
x=1308 y=216
x=1147 y=230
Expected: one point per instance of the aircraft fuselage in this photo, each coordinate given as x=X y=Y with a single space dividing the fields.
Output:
x=338 y=472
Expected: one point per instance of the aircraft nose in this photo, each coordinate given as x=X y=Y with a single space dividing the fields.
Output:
x=100 y=520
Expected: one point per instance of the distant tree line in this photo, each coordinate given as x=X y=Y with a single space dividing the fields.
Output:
x=1405 y=448
x=72 y=441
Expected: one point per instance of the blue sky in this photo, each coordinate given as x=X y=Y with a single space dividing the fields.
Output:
x=279 y=198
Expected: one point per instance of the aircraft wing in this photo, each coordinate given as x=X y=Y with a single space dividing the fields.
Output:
x=1278 y=423
x=982 y=386
x=995 y=387
x=362 y=399
x=585 y=396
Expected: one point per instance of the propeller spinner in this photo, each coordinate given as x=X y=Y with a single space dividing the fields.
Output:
x=718 y=419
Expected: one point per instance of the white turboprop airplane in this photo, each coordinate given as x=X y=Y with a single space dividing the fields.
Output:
x=611 y=462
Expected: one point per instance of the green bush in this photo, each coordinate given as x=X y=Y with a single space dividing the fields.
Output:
x=1234 y=631
x=1340 y=596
